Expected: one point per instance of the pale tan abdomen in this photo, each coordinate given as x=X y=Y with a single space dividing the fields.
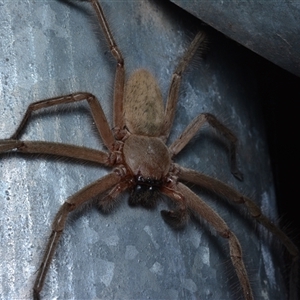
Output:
x=143 y=105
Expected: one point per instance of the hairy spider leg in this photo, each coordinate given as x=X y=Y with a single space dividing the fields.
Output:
x=226 y=191
x=195 y=126
x=118 y=122
x=96 y=110
x=98 y=187
x=198 y=207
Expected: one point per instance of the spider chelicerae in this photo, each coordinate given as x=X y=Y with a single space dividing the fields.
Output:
x=144 y=128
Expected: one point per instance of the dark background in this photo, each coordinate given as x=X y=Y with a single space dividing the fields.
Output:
x=272 y=30
x=280 y=93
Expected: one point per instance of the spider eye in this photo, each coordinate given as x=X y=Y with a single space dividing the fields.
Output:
x=140 y=179
x=145 y=192
x=138 y=188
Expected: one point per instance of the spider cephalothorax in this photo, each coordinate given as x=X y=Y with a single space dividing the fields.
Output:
x=140 y=160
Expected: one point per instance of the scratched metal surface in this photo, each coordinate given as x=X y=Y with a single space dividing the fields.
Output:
x=269 y=28
x=49 y=48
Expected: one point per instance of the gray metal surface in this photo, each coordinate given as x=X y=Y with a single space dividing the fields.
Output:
x=271 y=28
x=49 y=48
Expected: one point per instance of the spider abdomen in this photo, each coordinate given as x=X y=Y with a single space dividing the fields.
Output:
x=146 y=156
x=143 y=104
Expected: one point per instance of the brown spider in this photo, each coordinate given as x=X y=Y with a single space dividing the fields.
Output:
x=142 y=126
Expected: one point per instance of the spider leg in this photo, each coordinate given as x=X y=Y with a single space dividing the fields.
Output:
x=198 y=207
x=62 y=150
x=195 y=126
x=175 y=84
x=179 y=216
x=108 y=202
x=118 y=120
x=231 y=194
x=96 y=110
x=58 y=225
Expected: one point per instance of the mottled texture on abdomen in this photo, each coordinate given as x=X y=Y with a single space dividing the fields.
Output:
x=143 y=106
